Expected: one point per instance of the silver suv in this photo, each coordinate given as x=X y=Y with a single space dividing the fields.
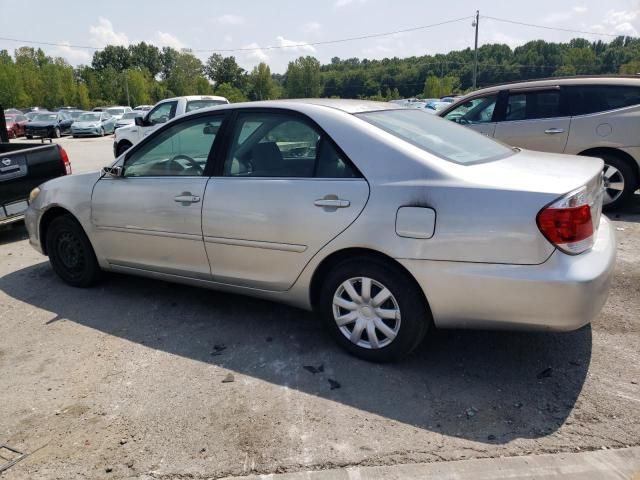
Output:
x=593 y=116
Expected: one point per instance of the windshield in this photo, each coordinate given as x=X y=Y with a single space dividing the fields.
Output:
x=130 y=115
x=44 y=117
x=197 y=104
x=89 y=117
x=75 y=115
x=115 y=111
x=437 y=136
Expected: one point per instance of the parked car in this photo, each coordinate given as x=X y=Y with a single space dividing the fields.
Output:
x=49 y=125
x=144 y=108
x=129 y=118
x=162 y=112
x=91 y=124
x=298 y=202
x=12 y=111
x=436 y=106
x=30 y=115
x=118 y=112
x=98 y=109
x=22 y=168
x=67 y=108
x=592 y=116
x=16 y=124
x=74 y=114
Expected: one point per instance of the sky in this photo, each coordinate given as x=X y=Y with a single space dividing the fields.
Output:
x=205 y=26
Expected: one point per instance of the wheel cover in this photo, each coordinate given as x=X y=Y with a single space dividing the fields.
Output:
x=366 y=312
x=70 y=252
x=613 y=184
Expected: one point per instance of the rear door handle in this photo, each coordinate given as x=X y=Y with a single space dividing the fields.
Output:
x=332 y=203
x=186 y=198
x=553 y=131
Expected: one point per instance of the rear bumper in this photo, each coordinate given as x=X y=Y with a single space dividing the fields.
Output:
x=564 y=293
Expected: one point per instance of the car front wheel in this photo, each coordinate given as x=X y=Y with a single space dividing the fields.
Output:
x=70 y=252
x=373 y=309
x=56 y=132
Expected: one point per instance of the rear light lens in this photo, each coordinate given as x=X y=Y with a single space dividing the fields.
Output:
x=65 y=160
x=568 y=223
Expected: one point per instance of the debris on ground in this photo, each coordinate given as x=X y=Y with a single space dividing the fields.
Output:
x=333 y=384
x=518 y=404
x=229 y=378
x=471 y=412
x=218 y=349
x=546 y=373
x=314 y=370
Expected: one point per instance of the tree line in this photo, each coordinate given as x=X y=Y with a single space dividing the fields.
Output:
x=143 y=73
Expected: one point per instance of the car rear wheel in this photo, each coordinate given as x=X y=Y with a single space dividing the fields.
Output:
x=619 y=182
x=56 y=132
x=373 y=309
x=70 y=252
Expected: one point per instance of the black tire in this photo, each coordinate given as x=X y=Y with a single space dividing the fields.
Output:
x=415 y=317
x=628 y=175
x=75 y=136
x=122 y=147
x=102 y=132
x=29 y=137
x=56 y=133
x=71 y=254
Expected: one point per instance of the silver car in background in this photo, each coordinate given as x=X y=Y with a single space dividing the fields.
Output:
x=593 y=116
x=388 y=221
x=91 y=124
x=129 y=118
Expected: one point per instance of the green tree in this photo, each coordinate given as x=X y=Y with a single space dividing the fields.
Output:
x=185 y=76
x=230 y=92
x=225 y=70
x=303 y=78
x=139 y=86
x=261 y=85
x=146 y=57
x=112 y=56
x=435 y=87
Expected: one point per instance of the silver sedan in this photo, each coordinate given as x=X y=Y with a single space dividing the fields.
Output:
x=387 y=221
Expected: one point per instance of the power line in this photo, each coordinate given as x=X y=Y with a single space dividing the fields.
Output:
x=584 y=32
x=268 y=47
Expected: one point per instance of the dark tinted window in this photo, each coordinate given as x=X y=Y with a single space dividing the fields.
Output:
x=279 y=145
x=531 y=105
x=599 y=98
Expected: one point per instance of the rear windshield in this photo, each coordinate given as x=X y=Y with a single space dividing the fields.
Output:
x=437 y=136
x=89 y=117
x=44 y=117
x=198 y=104
x=115 y=111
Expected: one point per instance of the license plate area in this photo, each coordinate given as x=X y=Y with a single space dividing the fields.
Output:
x=15 y=208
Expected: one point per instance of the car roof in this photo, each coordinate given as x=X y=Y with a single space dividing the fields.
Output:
x=348 y=106
x=195 y=97
x=631 y=80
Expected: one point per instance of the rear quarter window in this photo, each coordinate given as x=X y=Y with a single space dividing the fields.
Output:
x=587 y=99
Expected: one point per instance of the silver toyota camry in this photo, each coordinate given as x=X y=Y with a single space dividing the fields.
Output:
x=385 y=220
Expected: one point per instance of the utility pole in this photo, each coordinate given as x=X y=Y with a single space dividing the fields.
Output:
x=476 y=23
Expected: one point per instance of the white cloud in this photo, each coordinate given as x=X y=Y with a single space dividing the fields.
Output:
x=257 y=54
x=623 y=22
x=74 y=56
x=103 y=34
x=344 y=3
x=230 y=19
x=311 y=27
x=558 y=17
x=228 y=39
x=500 y=37
x=294 y=45
x=164 y=39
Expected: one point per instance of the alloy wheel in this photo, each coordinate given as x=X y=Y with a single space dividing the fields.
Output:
x=613 y=184
x=366 y=312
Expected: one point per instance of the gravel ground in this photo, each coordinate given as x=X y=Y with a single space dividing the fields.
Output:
x=143 y=379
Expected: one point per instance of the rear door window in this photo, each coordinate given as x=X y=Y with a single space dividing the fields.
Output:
x=587 y=99
x=533 y=105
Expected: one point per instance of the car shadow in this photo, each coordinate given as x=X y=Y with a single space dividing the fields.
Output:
x=489 y=387
x=14 y=232
x=630 y=212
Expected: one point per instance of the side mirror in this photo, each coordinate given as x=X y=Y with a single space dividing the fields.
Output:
x=210 y=129
x=139 y=121
x=113 y=171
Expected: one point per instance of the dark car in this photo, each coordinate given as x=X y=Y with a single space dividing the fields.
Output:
x=49 y=125
x=15 y=124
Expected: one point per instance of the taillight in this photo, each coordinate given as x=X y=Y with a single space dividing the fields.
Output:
x=568 y=222
x=65 y=160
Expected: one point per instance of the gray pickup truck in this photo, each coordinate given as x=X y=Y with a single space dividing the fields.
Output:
x=24 y=166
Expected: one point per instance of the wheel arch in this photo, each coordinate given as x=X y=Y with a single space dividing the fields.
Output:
x=335 y=258
x=620 y=154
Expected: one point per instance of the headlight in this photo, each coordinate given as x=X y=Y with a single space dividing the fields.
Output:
x=34 y=194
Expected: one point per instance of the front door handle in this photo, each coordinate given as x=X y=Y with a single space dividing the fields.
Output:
x=185 y=198
x=553 y=131
x=332 y=203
